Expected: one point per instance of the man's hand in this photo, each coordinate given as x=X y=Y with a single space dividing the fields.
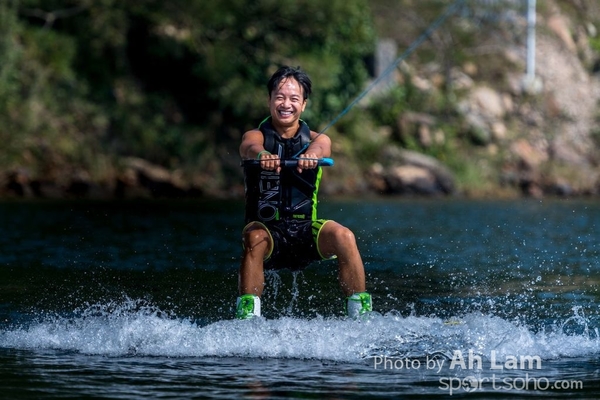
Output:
x=307 y=161
x=270 y=162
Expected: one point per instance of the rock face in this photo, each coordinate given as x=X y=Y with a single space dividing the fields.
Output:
x=539 y=136
x=545 y=131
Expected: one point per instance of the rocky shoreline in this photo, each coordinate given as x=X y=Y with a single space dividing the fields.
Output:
x=399 y=173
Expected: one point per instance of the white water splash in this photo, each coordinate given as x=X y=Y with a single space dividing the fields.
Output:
x=130 y=328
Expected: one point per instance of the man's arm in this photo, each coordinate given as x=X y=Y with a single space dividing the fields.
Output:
x=252 y=144
x=253 y=147
x=320 y=147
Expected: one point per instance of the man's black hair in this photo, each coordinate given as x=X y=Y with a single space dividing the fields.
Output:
x=287 y=72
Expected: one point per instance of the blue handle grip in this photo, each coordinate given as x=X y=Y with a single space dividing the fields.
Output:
x=323 y=162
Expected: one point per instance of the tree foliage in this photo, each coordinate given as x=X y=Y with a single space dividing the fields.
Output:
x=88 y=81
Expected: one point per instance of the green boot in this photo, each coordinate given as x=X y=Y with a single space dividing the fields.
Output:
x=247 y=306
x=358 y=304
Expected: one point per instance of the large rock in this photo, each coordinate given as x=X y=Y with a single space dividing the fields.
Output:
x=408 y=172
x=156 y=180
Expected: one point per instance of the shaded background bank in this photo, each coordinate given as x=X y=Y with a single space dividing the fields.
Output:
x=149 y=99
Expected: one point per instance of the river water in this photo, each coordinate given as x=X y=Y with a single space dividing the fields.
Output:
x=135 y=300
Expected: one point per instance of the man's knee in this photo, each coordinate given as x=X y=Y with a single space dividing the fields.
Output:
x=344 y=236
x=255 y=235
x=339 y=237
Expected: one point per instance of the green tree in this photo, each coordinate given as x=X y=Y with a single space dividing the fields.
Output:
x=172 y=82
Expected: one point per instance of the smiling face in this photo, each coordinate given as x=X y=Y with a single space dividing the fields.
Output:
x=286 y=103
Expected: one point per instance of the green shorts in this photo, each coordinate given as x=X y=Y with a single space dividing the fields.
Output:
x=295 y=243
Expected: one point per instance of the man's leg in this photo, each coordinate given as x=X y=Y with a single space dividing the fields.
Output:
x=251 y=279
x=257 y=244
x=336 y=239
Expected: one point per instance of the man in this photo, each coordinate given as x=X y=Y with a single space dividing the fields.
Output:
x=282 y=229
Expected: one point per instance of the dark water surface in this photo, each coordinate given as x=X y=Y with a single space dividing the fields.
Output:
x=135 y=300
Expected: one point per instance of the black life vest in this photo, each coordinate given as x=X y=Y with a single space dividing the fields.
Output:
x=288 y=195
